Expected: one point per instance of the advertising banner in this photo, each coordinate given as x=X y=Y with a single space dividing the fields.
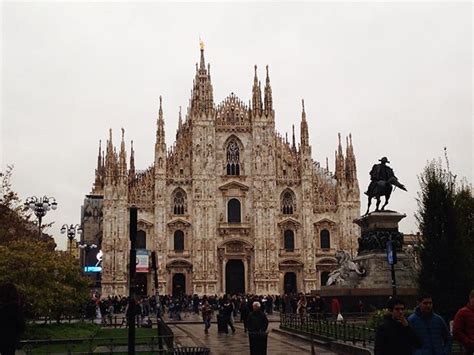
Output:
x=92 y=259
x=142 y=260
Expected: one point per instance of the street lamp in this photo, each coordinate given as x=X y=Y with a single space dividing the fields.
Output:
x=40 y=206
x=86 y=247
x=71 y=231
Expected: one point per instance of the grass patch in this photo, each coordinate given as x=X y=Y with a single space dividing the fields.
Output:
x=60 y=331
x=123 y=332
x=81 y=337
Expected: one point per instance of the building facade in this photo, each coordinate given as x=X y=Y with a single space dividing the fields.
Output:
x=231 y=207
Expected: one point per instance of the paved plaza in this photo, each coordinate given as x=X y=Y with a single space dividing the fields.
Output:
x=191 y=333
x=225 y=344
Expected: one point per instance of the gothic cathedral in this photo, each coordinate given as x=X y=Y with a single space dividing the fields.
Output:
x=231 y=207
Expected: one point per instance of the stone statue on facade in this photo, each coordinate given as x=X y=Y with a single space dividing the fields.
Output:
x=346 y=269
x=382 y=180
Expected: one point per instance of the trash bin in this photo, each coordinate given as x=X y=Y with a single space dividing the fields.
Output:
x=189 y=351
x=258 y=343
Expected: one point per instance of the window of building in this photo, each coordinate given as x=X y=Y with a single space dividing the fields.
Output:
x=233 y=211
x=288 y=203
x=233 y=158
x=325 y=239
x=289 y=240
x=179 y=202
x=140 y=243
x=178 y=241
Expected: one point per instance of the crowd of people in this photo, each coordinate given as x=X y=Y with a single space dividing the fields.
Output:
x=422 y=332
x=179 y=307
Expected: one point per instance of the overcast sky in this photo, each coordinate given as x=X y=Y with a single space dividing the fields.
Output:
x=395 y=75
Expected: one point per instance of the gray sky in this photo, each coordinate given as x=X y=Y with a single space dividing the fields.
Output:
x=395 y=75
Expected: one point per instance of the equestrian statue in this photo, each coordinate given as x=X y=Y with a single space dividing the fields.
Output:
x=382 y=182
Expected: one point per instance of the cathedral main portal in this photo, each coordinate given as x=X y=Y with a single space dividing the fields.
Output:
x=234 y=277
x=235 y=257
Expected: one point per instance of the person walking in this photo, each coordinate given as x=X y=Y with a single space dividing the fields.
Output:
x=395 y=336
x=463 y=326
x=227 y=310
x=335 y=307
x=319 y=307
x=245 y=307
x=206 y=311
x=430 y=328
x=301 y=308
x=257 y=326
x=12 y=322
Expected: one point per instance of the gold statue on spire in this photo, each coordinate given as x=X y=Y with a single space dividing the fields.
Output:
x=201 y=43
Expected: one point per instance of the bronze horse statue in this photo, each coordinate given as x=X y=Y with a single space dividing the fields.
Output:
x=382 y=184
x=384 y=188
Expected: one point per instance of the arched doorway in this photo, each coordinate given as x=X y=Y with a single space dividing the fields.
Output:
x=234 y=277
x=324 y=277
x=179 y=284
x=290 y=283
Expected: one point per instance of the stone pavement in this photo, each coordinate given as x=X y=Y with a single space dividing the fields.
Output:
x=188 y=334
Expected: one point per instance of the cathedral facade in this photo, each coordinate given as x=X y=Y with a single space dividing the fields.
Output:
x=231 y=207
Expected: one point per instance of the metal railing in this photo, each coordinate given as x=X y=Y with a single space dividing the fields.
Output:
x=94 y=345
x=314 y=326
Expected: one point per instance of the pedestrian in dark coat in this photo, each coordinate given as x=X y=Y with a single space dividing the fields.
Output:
x=244 y=313
x=257 y=326
x=227 y=310
x=430 y=328
x=395 y=336
x=463 y=327
x=12 y=322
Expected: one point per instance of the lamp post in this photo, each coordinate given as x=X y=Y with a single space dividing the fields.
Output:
x=85 y=247
x=71 y=231
x=40 y=206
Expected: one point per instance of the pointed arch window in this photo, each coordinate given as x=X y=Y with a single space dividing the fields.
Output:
x=289 y=240
x=178 y=240
x=233 y=211
x=325 y=239
x=288 y=205
x=233 y=158
x=179 y=202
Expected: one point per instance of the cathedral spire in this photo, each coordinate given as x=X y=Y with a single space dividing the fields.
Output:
x=202 y=101
x=256 y=95
x=202 y=65
x=110 y=160
x=99 y=178
x=160 y=131
x=99 y=158
x=304 y=135
x=293 y=144
x=268 y=100
x=123 y=157
x=340 y=173
x=351 y=170
x=180 y=120
x=131 y=172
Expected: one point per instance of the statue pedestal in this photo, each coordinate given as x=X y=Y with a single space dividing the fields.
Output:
x=376 y=229
x=376 y=285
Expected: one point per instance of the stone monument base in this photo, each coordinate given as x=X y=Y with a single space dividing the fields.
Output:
x=375 y=287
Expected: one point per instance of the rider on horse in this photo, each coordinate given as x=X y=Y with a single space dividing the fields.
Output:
x=379 y=172
x=381 y=180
